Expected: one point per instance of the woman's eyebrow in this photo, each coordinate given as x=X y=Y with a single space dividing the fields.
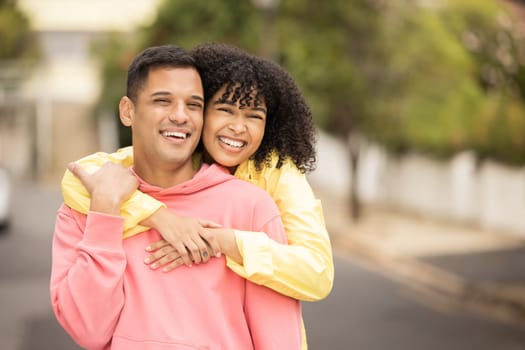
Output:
x=262 y=109
x=219 y=102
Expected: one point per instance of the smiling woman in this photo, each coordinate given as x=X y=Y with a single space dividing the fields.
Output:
x=233 y=131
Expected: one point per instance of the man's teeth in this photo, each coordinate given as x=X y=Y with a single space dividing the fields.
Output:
x=232 y=143
x=176 y=134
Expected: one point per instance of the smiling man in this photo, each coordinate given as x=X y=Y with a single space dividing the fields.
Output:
x=102 y=293
x=165 y=116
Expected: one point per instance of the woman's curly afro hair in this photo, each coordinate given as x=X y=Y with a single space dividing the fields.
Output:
x=289 y=130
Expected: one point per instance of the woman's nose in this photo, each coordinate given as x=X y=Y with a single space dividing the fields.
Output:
x=238 y=125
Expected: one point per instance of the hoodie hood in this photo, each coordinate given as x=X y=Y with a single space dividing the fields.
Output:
x=207 y=176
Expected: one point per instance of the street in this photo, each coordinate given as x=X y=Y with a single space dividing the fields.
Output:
x=366 y=309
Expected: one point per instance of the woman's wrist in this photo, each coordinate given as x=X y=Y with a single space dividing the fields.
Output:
x=228 y=244
x=154 y=219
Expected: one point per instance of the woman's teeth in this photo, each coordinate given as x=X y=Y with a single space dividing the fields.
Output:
x=232 y=143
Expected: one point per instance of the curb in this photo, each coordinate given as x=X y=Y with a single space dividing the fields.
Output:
x=505 y=303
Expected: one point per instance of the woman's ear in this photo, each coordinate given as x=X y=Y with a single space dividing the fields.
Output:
x=126 y=111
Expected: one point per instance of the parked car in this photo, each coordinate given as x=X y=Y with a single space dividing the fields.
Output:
x=5 y=198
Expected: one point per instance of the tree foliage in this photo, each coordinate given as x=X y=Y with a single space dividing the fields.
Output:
x=15 y=33
x=435 y=79
x=323 y=44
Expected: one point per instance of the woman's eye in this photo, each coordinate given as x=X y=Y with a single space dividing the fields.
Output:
x=256 y=116
x=224 y=109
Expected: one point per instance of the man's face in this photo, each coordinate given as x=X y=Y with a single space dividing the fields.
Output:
x=232 y=133
x=166 y=118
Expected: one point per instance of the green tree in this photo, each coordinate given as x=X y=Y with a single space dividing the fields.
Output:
x=428 y=97
x=331 y=48
x=15 y=33
x=433 y=79
x=497 y=44
x=187 y=23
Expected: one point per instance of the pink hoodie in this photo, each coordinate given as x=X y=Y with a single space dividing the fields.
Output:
x=105 y=297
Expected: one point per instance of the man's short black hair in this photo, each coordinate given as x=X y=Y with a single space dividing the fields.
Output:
x=152 y=57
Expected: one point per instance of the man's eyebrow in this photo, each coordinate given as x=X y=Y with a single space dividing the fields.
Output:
x=167 y=93
x=160 y=93
x=197 y=97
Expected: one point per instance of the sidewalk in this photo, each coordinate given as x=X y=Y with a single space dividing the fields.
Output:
x=449 y=264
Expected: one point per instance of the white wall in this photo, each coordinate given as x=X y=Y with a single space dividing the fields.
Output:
x=487 y=194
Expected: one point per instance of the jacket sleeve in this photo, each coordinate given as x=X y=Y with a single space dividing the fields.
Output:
x=304 y=268
x=137 y=208
x=270 y=313
x=88 y=265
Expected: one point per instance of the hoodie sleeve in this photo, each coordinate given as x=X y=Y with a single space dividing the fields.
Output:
x=302 y=269
x=274 y=319
x=137 y=208
x=88 y=265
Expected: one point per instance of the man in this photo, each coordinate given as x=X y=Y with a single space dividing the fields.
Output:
x=102 y=293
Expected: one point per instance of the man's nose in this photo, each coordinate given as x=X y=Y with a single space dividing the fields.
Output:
x=178 y=114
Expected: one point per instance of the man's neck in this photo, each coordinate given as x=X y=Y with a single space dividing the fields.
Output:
x=164 y=176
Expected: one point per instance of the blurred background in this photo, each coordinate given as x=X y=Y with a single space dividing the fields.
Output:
x=420 y=106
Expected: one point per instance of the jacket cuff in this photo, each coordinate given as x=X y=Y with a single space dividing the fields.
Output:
x=103 y=230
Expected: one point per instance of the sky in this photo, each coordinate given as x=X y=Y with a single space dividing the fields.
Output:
x=88 y=15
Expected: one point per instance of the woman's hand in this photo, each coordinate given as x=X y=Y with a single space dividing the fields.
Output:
x=187 y=236
x=164 y=254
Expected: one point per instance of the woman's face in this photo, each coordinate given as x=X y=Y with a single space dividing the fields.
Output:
x=232 y=133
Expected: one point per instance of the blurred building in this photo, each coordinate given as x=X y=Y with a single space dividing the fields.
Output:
x=50 y=108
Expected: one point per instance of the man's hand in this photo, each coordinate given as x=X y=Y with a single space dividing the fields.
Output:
x=164 y=254
x=108 y=187
x=187 y=236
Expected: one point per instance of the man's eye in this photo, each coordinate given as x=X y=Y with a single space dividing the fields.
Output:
x=161 y=100
x=195 y=105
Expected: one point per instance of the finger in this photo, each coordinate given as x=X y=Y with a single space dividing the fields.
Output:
x=213 y=243
x=172 y=265
x=166 y=259
x=184 y=254
x=209 y=224
x=194 y=250
x=160 y=253
x=204 y=250
x=77 y=170
x=156 y=245
x=206 y=254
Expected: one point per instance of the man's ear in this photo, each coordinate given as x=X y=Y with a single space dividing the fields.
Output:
x=126 y=111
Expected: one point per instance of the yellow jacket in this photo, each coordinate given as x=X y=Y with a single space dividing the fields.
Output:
x=303 y=269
